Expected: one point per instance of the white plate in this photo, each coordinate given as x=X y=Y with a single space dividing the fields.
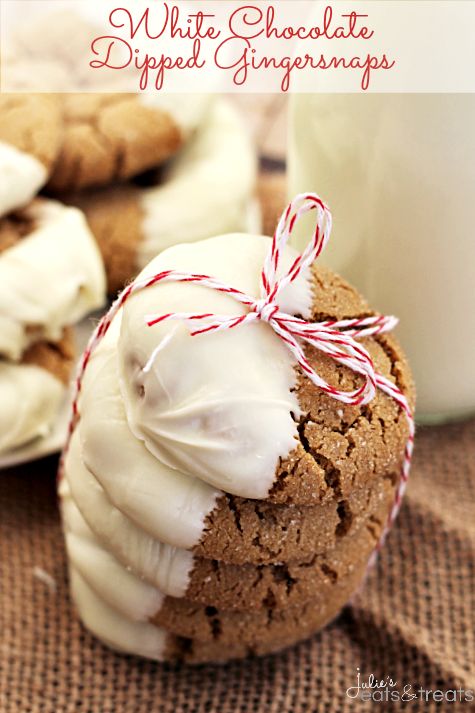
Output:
x=54 y=441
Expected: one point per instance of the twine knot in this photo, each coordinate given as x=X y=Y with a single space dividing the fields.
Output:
x=264 y=310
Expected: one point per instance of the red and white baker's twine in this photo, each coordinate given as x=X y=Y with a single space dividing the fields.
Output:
x=336 y=338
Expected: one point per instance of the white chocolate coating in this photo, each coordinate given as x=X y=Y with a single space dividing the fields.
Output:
x=30 y=398
x=169 y=505
x=218 y=406
x=21 y=177
x=207 y=189
x=49 y=279
x=166 y=567
x=119 y=587
x=115 y=630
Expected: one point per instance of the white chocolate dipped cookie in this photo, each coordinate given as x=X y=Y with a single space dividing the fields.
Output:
x=114 y=136
x=32 y=391
x=30 y=137
x=51 y=274
x=232 y=409
x=262 y=535
x=207 y=189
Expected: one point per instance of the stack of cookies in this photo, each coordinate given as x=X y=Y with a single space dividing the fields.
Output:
x=51 y=272
x=216 y=504
x=153 y=170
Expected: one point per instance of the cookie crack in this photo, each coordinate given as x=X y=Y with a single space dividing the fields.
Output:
x=331 y=474
x=235 y=511
x=280 y=574
x=329 y=572
x=346 y=518
x=214 y=622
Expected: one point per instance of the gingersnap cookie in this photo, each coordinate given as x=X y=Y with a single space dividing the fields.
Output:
x=30 y=136
x=330 y=451
x=32 y=391
x=111 y=137
x=126 y=594
x=317 y=448
x=51 y=274
x=339 y=451
x=207 y=189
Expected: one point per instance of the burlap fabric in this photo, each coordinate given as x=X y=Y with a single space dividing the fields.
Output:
x=414 y=620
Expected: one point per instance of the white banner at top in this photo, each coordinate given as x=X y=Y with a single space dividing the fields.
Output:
x=211 y=46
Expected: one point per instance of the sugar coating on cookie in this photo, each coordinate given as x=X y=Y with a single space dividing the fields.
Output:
x=51 y=274
x=30 y=134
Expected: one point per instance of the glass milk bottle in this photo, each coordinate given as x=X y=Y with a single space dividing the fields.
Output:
x=398 y=172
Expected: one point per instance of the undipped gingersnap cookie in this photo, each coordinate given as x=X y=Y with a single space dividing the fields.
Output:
x=111 y=137
x=30 y=137
x=32 y=391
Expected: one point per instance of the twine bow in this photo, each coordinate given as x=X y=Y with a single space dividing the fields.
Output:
x=335 y=338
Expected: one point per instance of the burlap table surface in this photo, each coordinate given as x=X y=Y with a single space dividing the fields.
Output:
x=413 y=621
